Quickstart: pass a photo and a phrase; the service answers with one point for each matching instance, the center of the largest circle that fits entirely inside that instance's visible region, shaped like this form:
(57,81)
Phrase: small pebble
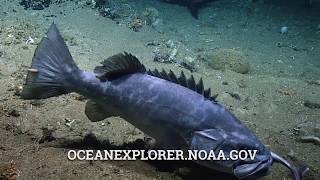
(37,103)
(291,153)
(242,84)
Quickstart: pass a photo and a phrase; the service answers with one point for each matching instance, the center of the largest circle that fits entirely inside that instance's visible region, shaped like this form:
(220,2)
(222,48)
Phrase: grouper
(175,110)
(193,5)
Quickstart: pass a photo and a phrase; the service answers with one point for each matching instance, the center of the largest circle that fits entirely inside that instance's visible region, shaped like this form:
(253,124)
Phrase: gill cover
(218,140)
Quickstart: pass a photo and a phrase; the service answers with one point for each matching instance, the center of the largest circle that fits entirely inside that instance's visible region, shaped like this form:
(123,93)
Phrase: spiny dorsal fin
(173,77)
(183,81)
(118,65)
(191,83)
(200,88)
(207,92)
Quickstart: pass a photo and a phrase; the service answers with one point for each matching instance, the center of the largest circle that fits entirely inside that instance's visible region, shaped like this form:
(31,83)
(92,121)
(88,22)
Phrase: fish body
(193,5)
(176,111)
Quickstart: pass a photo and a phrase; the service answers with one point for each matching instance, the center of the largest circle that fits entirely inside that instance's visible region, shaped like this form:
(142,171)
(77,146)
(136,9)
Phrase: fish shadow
(186,170)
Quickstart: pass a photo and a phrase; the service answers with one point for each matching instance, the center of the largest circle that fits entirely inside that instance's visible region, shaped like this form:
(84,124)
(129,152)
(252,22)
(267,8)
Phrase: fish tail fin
(194,10)
(52,70)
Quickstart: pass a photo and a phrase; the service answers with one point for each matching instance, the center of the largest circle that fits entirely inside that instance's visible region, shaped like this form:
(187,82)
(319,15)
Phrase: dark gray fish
(193,5)
(176,111)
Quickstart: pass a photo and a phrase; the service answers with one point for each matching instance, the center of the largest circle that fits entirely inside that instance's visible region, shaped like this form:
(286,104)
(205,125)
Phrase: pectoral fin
(209,139)
(95,112)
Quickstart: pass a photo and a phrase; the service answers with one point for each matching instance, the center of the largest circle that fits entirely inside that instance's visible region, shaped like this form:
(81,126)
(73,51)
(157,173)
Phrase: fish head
(256,164)
(257,167)
(259,158)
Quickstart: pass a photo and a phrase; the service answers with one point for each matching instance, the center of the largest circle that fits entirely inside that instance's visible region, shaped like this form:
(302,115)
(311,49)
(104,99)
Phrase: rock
(115,10)
(47,135)
(242,84)
(35,4)
(229,59)
(100,3)
(37,103)
(151,16)
(152,43)
(13,113)
(225,83)
(136,24)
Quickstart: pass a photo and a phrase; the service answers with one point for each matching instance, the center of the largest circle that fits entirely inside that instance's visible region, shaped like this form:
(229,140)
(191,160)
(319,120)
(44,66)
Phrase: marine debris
(174,52)
(69,122)
(125,13)
(308,132)
(311,104)
(136,24)
(311,139)
(234,95)
(30,40)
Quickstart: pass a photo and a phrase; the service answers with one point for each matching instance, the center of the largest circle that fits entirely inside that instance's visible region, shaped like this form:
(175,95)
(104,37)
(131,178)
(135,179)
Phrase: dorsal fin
(173,77)
(183,81)
(191,83)
(118,65)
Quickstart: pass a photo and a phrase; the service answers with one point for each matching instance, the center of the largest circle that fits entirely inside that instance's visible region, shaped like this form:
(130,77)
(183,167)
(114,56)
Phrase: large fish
(192,5)
(176,111)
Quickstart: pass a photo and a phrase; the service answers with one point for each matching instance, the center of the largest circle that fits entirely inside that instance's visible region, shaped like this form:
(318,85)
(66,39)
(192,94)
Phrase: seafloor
(278,98)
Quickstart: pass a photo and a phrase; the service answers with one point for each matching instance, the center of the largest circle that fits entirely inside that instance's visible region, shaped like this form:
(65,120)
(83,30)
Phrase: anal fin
(95,112)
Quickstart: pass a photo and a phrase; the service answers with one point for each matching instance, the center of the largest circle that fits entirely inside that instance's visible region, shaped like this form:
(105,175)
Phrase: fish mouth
(255,168)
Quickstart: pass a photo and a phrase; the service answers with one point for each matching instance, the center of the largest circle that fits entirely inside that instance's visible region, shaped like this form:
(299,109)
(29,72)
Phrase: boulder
(231,59)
